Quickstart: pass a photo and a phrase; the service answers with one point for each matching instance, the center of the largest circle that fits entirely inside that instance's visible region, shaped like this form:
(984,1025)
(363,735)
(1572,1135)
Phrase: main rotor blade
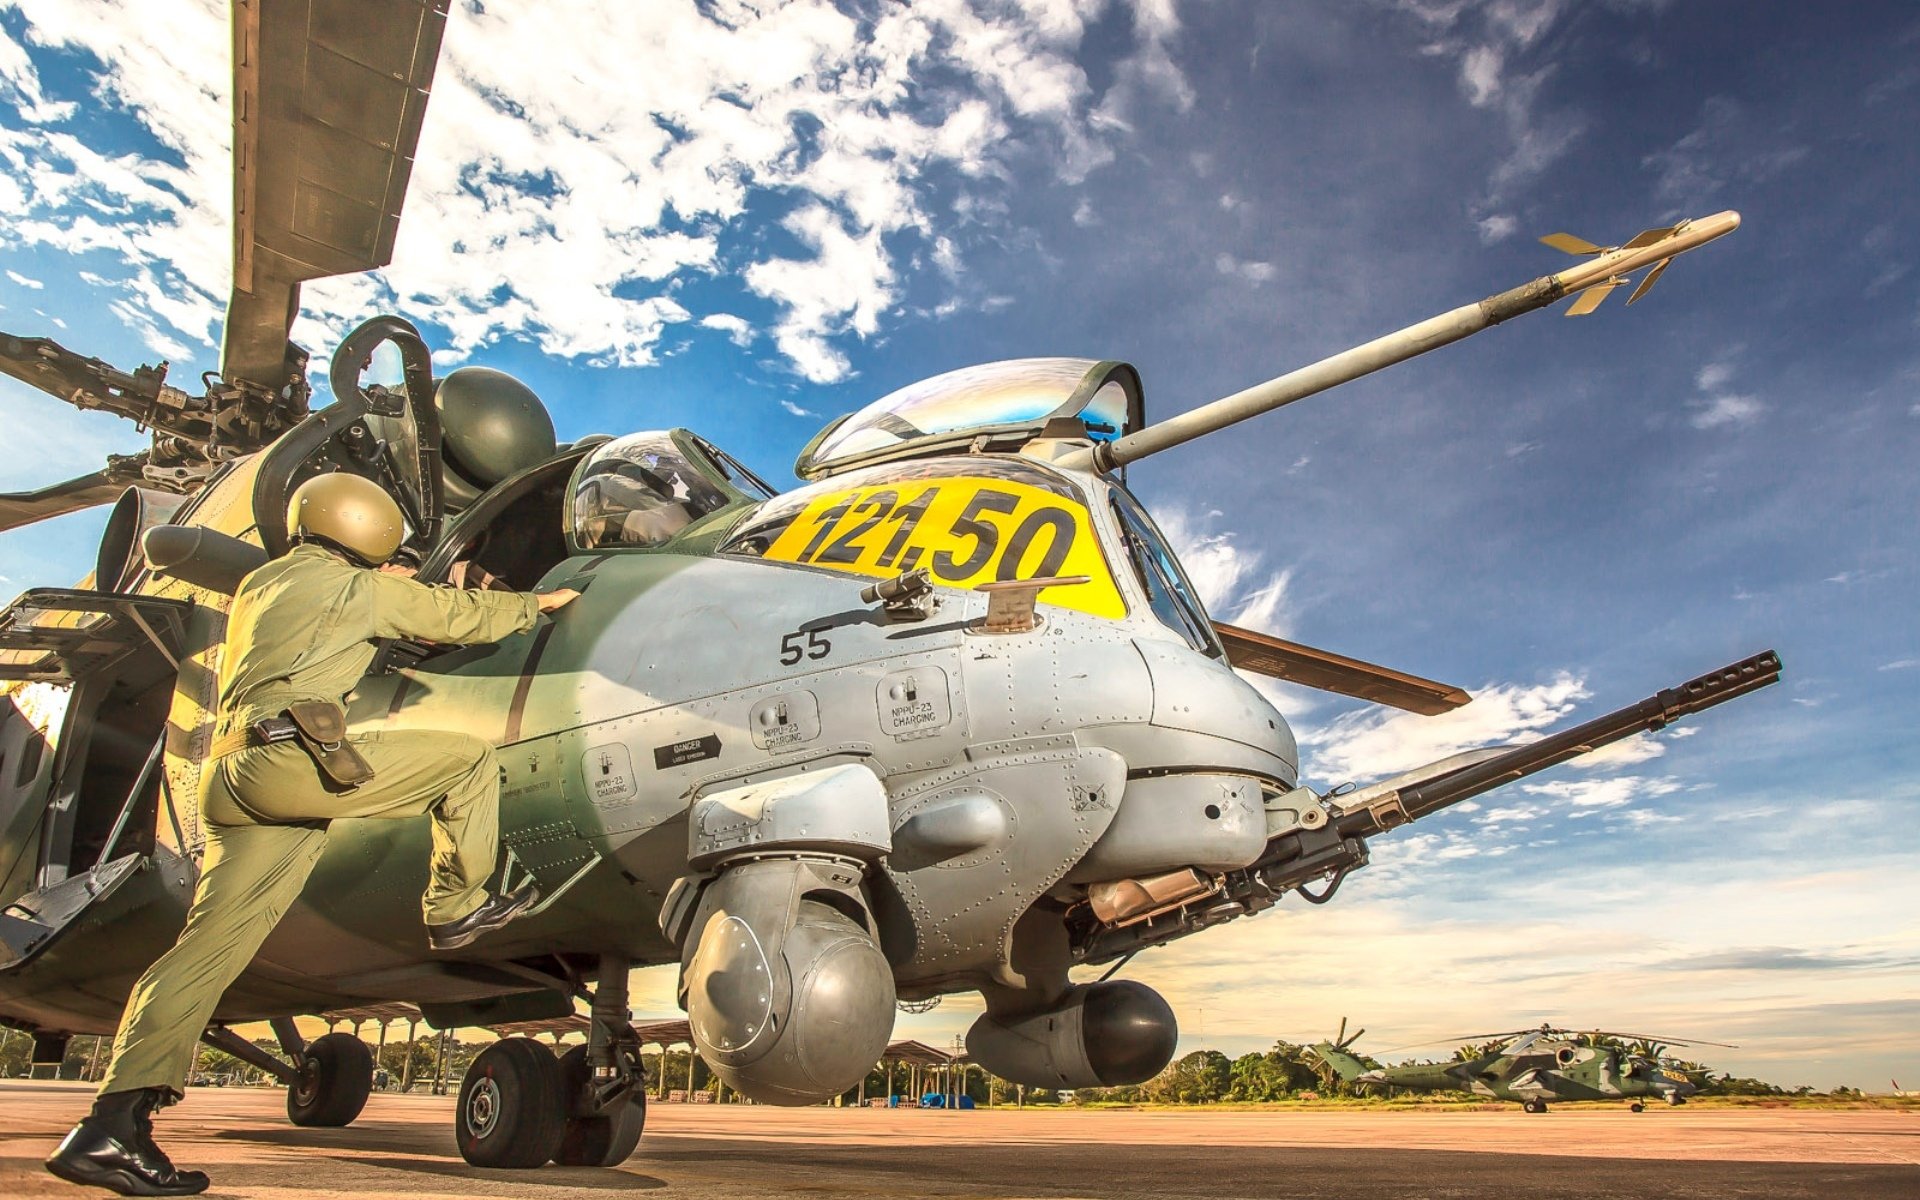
(1465,1039)
(1663,1041)
(85,491)
(1330,672)
(328,98)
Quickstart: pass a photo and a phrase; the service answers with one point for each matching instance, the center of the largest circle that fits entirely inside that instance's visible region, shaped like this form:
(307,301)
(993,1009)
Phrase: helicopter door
(75,827)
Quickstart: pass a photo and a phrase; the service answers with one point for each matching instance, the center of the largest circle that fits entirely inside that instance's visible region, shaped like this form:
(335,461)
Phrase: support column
(406,1069)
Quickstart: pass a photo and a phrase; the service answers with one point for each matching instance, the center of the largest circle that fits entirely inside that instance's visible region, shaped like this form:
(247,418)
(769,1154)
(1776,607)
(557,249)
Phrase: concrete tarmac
(404,1144)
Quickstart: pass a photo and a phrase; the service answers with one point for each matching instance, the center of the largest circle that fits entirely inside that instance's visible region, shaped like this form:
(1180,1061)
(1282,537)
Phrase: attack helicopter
(946,718)
(1533,1066)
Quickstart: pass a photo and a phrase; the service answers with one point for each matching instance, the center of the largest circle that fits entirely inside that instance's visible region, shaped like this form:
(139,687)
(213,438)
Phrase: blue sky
(745,218)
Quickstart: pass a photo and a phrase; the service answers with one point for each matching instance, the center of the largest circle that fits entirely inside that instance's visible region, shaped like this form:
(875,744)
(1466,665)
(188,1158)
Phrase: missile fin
(1647,237)
(1591,298)
(1571,244)
(1646,282)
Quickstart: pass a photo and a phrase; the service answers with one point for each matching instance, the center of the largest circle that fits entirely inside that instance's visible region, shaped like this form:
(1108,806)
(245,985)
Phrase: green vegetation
(1289,1073)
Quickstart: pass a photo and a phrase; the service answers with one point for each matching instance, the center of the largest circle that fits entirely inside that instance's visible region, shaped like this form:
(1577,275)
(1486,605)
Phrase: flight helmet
(348,512)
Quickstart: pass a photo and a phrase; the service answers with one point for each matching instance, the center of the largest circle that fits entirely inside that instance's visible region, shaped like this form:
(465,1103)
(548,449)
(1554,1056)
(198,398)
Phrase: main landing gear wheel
(1534,1106)
(336,1076)
(1636,1106)
(512,1111)
(597,1141)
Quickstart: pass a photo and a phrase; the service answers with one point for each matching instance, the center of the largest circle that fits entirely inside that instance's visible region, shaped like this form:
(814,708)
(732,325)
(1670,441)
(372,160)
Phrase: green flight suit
(301,628)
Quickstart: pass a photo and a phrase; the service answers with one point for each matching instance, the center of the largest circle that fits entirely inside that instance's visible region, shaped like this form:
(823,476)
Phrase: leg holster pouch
(322,729)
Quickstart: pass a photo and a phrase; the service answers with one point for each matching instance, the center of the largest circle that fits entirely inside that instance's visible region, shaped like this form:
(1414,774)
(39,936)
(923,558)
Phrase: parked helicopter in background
(947,718)
(1533,1066)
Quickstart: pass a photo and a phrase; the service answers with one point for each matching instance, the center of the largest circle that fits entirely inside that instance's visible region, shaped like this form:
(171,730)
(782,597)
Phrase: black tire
(334,1084)
(1636,1106)
(512,1112)
(1533,1106)
(597,1141)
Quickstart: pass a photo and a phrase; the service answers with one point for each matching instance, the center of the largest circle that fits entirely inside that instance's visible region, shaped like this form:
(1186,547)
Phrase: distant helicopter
(947,718)
(1533,1066)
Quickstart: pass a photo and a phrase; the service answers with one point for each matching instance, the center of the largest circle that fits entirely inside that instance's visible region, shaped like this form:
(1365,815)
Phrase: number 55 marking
(817,647)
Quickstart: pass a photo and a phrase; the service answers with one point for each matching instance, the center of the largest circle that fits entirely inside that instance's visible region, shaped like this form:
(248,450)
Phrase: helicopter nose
(1198,777)
(1199,695)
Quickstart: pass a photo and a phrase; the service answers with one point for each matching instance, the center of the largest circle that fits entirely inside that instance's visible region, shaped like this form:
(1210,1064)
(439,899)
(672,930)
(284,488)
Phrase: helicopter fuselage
(1091,748)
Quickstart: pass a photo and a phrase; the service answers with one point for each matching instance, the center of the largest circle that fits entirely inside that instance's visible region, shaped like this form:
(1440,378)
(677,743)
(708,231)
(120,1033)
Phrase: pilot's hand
(559,598)
(398,568)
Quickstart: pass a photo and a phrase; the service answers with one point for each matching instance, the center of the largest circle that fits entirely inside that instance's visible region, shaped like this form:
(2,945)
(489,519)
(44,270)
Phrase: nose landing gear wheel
(1636,1106)
(1533,1106)
(511,1111)
(334,1082)
(597,1141)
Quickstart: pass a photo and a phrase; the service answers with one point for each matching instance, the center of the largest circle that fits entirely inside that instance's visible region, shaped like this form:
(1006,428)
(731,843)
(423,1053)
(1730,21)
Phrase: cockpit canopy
(1011,401)
(643,489)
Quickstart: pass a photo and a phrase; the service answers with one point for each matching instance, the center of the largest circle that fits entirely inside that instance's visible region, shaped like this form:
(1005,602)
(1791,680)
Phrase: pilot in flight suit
(299,638)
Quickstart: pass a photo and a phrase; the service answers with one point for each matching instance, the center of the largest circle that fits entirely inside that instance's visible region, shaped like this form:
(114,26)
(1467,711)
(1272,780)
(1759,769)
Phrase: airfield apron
(301,629)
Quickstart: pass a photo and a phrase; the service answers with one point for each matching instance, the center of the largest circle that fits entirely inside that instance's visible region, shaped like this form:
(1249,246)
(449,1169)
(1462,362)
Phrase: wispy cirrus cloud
(1499,49)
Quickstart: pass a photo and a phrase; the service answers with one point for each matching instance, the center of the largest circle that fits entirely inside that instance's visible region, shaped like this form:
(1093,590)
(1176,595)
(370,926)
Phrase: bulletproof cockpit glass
(1007,402)
(639,491)
(1169,593)
(967,519)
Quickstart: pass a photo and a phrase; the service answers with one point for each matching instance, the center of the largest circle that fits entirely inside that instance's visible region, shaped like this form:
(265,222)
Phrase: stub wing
(1308,666)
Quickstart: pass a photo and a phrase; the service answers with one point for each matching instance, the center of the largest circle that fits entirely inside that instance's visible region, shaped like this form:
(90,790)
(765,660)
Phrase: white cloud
(1713,376)
(24,282)
(564,187)
(1641,747)
(1901,664)
(1584,797)
(1480,74)
(1233,582)
(738,331)
(1719,406)
(1255,273)
(1728,409)
(1495,45)
(1373,743)
(796,410)
(1729,146)
(1498,227)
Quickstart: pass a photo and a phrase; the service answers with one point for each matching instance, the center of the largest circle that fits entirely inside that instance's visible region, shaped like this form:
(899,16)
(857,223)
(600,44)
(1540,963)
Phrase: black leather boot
(497,911)
(112,1147)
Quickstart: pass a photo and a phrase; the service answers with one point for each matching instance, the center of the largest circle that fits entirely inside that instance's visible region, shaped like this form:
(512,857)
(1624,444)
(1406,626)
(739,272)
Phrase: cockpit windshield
(639,490)
(1168,593)
(1013,396)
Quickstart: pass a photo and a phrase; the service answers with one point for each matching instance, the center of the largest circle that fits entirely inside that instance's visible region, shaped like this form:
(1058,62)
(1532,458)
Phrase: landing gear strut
(328,1079)
(519,1106)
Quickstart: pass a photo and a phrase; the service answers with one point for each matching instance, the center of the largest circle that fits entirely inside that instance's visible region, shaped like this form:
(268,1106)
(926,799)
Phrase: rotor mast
(1605,270)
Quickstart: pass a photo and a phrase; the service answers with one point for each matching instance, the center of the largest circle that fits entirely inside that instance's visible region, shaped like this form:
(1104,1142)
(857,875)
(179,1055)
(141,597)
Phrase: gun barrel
(1656,711)
(1414,340)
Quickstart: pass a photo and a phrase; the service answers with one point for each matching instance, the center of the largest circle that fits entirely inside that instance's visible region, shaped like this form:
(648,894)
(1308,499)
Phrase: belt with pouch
(321,729)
